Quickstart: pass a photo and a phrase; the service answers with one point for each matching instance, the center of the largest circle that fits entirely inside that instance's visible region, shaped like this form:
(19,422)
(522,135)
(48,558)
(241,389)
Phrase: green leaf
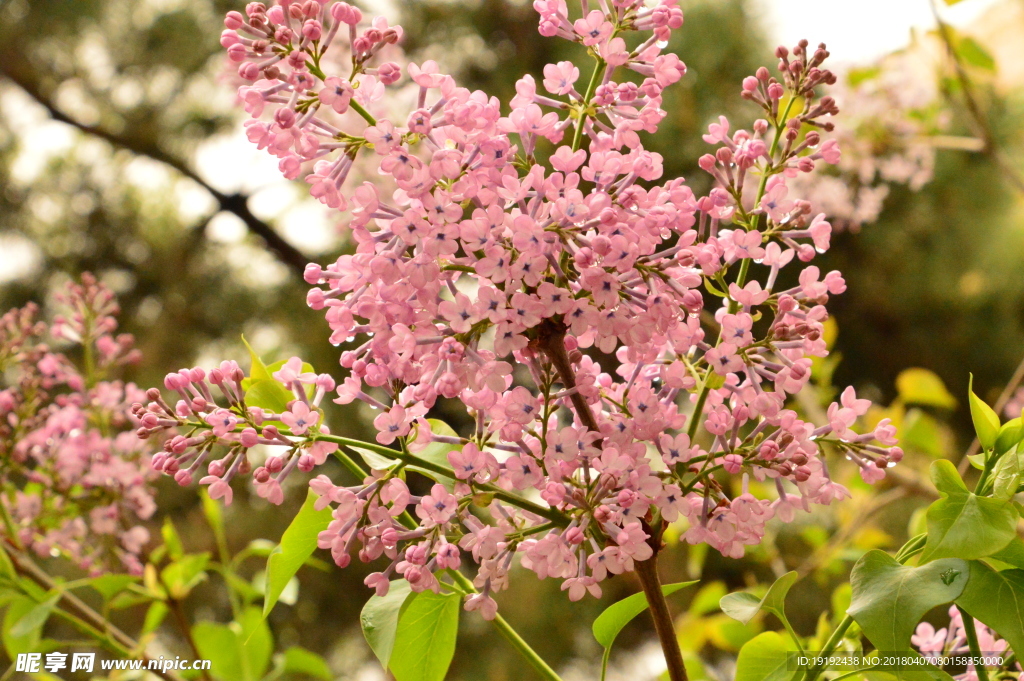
(171,540)
(924,387)
(298,660)
(437,453)
(109,586)
(155,617)
(377,462)
(268,394)
(239,651)
(997,599)
(946,478)
(427,628)
(1008,436)
(214,515)
(765,657)
(742,606)
(297,544)
(219,644)
(181,576)
(964,525)
(889,599)
(986,422)
(1012,553)
(1007,473)
(971,51)
(379,620)
(33,620)
(616,616)
(257,369)
(257,643)
(27,642)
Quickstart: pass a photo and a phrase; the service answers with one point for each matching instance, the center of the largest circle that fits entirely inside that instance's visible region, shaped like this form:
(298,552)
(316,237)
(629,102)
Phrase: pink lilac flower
(486,273)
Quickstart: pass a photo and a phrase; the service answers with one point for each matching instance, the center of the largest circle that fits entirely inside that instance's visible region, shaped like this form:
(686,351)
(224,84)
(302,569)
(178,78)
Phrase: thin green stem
(604,662)
(510,634)
(411,459)
(577,138)
(972,642)
(358,108)
(830,645)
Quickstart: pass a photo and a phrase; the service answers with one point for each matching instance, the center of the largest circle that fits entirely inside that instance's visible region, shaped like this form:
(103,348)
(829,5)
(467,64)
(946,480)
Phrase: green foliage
(379,620)
(889,599)
(986,421)
(427,628)
(766,657)
(616,616)
(297,544)
(924,387)
(743,606)
(239,651)
(962,524)
(997,599)
(297,660)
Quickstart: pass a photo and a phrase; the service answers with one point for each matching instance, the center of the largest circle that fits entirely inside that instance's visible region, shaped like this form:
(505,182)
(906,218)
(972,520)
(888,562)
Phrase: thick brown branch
(232,203)
(664,625)
(551,341)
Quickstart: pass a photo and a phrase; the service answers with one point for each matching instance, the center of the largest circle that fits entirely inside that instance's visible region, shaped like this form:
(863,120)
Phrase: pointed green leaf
(33,620)
(997,599)
(972,52)
(27,642)
(297,544)
(183,575)
(268,394)
(889,599)
(964,525)
(257,369)
(616,616)
(1007,474)
(742,606)
(255,642)
(946,478)
(427,628)
(986,422)
(765,658)
(1008,435)
(109,586)
(172,540)
(379,620)
(155,615)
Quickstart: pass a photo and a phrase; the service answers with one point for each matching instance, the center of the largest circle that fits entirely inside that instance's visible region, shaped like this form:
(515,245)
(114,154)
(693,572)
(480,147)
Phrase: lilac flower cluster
(75,480)
(514,250)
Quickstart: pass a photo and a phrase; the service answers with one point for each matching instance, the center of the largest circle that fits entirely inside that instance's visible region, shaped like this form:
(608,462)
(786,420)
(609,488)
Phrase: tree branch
(233,203)
(981,124)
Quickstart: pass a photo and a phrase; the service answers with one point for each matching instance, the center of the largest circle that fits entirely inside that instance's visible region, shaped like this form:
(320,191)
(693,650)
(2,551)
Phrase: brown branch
(24,565)
(664,625)
(233,203)
(551,341)
(981,123)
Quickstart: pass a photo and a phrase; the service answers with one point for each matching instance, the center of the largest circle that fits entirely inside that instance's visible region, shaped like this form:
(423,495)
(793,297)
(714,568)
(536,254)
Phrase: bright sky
(861,30)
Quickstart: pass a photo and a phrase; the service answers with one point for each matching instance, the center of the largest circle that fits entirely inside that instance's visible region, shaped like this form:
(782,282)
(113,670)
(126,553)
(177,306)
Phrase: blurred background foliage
(120,154)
